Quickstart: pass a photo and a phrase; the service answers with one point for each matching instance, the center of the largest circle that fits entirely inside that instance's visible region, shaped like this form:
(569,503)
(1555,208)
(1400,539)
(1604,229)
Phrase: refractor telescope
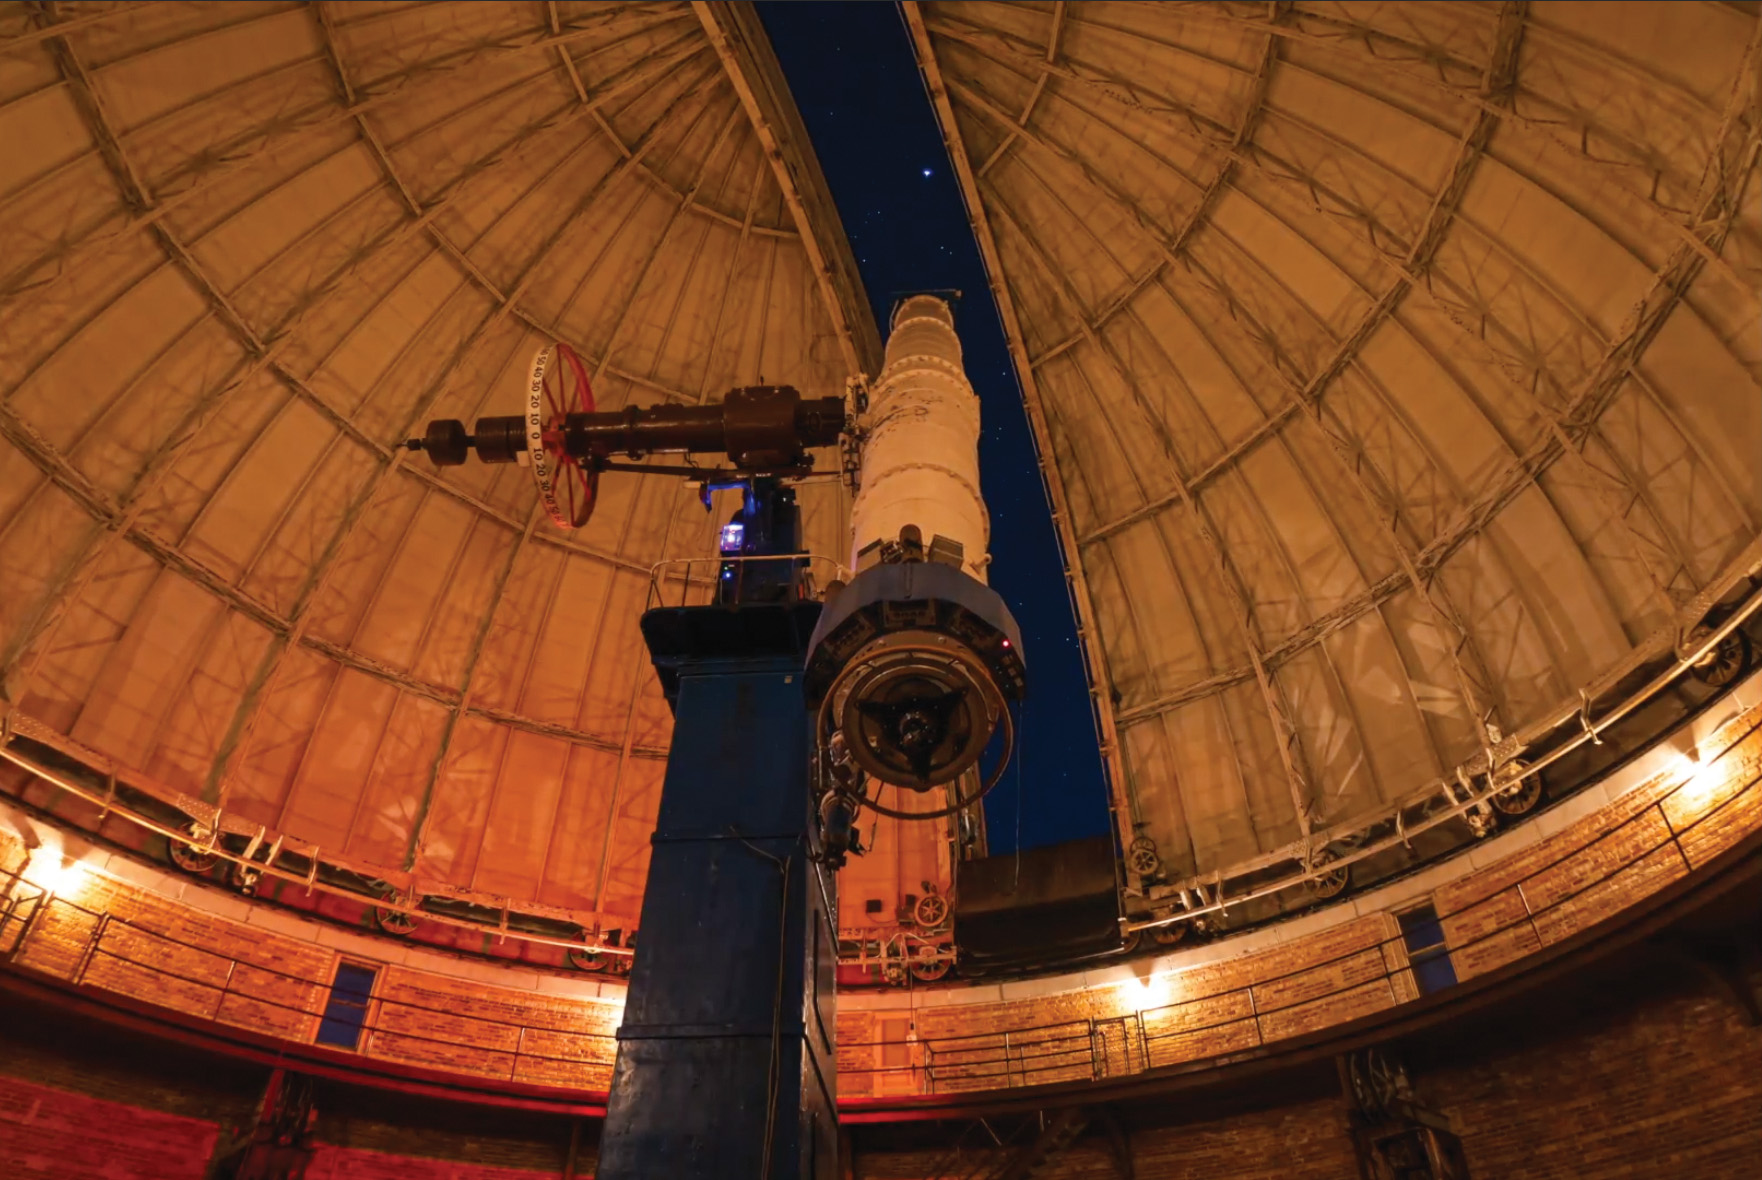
(914,664)
(794,709)
(912,668)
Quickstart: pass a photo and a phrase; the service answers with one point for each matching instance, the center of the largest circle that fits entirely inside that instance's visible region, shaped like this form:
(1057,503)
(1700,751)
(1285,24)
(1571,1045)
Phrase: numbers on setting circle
(567,490)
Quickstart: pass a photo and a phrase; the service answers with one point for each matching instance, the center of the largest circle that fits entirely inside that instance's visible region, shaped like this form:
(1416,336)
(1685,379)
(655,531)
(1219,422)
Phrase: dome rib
(1393,369)
(245,720)
(1234,289)
(318,226)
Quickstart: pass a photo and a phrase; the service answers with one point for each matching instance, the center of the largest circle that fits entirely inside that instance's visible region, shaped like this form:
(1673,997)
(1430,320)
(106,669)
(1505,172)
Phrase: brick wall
(1303,1141)
(1662,1080)
(61,1077)
(367,1130)
(342,1163)
(110,935)
(44,1046)
(1333,976)
(1671,1088)
(52,1134)
(1556,887)
(1636,1072)
(48,1133)
(107,934)
(470,1027)
(174,954)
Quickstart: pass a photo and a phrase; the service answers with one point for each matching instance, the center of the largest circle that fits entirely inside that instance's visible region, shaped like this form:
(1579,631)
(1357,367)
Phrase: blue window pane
(346,1012)
(354,983)
(1421,929)
(1434,974)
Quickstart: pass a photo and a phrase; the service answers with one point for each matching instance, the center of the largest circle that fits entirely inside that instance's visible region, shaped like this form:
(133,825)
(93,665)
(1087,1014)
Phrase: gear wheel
(1377,1081)
(1513,795)
(1330,883)
(930,965)
(1726,663)
(196,854)
(1171,935)
(394,922)
(931,911)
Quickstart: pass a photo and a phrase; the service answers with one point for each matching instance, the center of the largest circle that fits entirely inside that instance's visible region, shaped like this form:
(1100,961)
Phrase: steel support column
(725,1058)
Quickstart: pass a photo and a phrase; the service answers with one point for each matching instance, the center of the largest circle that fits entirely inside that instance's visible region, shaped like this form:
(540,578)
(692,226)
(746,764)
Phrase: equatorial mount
(911,668)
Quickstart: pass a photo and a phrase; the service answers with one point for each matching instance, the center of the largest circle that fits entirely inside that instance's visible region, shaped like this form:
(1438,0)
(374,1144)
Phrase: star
(926,172)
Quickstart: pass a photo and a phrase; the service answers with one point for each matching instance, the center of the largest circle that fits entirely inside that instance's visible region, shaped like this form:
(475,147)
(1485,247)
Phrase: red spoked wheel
(559,387)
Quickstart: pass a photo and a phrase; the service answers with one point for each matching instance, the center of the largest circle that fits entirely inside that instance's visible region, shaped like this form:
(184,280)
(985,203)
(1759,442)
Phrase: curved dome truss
(245,249)
(1394,369)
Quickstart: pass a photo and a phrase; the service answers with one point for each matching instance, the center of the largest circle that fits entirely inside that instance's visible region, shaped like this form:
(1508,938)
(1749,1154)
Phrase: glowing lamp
(53,872)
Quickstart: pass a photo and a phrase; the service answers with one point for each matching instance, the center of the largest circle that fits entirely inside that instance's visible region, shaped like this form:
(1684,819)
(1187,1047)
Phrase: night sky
(851,70)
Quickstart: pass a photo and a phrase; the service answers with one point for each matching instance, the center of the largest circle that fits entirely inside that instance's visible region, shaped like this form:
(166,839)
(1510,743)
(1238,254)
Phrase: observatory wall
(1654,823)
(1660,1076)
(111,927)
(85,1103)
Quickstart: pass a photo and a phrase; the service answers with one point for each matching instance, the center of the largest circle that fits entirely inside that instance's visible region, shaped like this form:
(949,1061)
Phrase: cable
(776,1074)
(774,1081)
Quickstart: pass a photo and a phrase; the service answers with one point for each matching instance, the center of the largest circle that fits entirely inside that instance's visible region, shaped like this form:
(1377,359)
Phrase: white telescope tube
(920,462)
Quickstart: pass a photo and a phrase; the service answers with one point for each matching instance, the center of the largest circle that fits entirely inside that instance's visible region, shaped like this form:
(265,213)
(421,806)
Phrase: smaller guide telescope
(915,665)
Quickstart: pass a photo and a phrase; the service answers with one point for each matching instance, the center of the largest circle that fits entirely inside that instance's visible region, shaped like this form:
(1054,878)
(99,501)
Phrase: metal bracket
(1584,717)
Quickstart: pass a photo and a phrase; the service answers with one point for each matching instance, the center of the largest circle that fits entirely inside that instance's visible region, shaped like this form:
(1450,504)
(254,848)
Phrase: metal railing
(1051,1052)
(1372,975)
(1269,1008)
(90,776)
(255,995)
(1472,784)
(21,901)
(681,581)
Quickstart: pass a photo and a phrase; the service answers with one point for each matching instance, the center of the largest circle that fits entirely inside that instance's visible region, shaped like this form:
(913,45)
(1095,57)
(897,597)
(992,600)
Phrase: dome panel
(192,725)
(250,248)
(1378,447)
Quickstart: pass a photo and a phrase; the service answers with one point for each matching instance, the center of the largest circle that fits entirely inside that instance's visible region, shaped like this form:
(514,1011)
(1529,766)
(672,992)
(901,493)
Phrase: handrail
(660,573)
(373,1026)
(1010,1058)
(1212,899)
(107,921)
(1030,1028)
(13,901)
(1472,798)
(1007,1055)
